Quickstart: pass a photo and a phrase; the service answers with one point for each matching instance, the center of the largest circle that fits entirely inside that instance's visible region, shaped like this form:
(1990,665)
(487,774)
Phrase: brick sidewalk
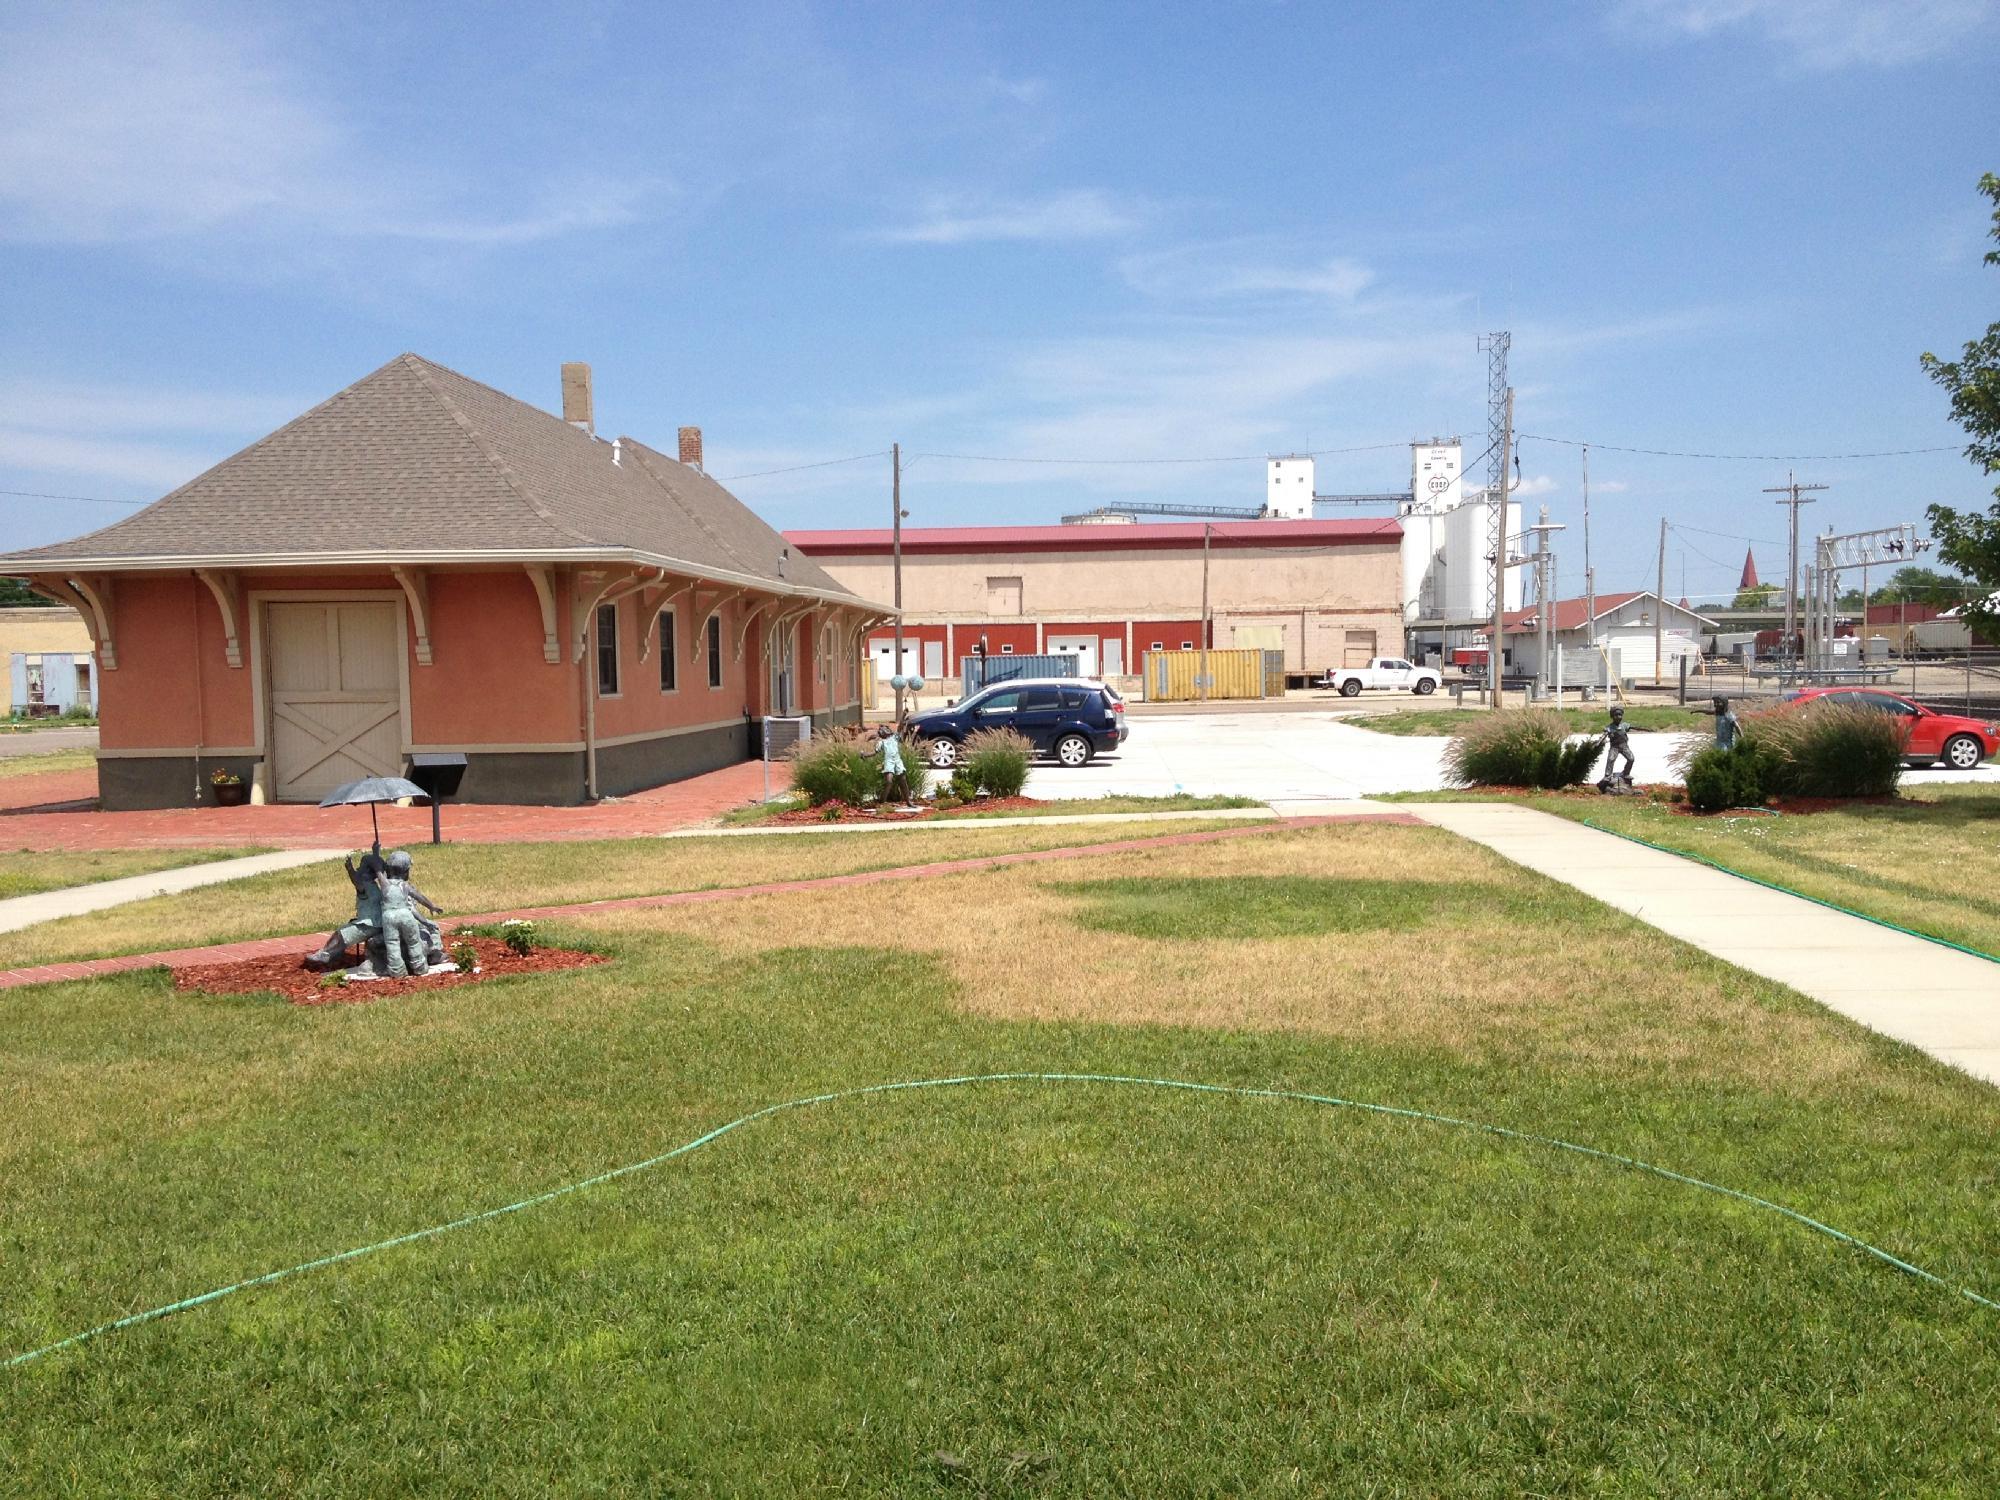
(180,958)
(290,826)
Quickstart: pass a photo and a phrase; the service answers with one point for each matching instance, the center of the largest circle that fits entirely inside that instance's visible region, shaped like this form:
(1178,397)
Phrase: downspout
(588,688)
(194,599)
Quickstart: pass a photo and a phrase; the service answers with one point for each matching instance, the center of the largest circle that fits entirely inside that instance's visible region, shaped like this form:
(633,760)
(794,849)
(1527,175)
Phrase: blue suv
(1070,718)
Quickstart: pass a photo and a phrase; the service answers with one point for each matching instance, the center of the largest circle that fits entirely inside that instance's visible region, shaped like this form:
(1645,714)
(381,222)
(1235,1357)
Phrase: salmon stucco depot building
(424,564)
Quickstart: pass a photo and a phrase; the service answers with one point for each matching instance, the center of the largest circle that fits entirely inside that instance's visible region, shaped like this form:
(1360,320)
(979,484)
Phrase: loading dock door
(1358,649)
(336,693)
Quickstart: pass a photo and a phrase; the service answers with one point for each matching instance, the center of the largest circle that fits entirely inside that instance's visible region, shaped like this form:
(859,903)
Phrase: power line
(1758,541)
(824,463)
(85,499)
(1776,458)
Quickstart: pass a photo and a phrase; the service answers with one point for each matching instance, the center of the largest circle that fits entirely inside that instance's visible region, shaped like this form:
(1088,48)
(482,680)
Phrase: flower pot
(232,794)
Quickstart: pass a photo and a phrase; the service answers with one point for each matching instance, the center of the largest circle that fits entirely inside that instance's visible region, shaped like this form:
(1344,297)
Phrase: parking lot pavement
(42,741)
(1306,757)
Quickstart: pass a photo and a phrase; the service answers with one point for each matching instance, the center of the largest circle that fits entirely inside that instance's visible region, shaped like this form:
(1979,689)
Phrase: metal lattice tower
(1496,346)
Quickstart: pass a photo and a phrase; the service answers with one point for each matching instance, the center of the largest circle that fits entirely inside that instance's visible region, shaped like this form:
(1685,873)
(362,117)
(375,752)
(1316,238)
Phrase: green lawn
(48,760)
(493,877)
(1930,862)
(1066,1290)
(1448,721)
(26,873)
(1068,807)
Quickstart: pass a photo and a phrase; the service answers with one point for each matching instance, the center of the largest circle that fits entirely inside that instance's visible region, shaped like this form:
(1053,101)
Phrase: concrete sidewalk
(74,900)
(1917,991)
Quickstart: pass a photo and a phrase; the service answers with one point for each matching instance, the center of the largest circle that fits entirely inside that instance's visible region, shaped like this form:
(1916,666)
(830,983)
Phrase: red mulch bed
(282,974)
(925,814)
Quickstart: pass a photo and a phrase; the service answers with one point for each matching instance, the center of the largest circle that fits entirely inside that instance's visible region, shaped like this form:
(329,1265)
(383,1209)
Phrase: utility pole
(1499,531)
(1545,619)
(1589,576)
(1201,681)
(1792,490)
(1660,608)
(896,550)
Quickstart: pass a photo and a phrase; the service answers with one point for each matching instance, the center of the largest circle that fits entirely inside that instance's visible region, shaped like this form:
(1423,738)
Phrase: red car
(1959,742)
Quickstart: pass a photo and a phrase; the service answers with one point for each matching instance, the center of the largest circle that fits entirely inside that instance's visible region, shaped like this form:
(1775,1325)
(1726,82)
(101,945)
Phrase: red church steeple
(1749,580)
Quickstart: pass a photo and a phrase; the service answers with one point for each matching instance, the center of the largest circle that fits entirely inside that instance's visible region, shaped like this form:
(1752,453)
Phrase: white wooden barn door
(336,693)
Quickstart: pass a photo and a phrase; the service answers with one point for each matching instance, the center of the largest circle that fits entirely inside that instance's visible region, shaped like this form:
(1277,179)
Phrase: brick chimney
(691,447)
(576,397)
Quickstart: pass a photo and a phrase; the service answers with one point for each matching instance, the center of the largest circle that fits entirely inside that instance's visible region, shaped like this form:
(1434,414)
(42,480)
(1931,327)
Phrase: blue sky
(1029,230)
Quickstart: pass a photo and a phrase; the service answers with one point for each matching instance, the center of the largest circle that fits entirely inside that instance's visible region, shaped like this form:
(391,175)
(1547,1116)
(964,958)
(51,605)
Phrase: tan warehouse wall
(1057,585)
(32,630)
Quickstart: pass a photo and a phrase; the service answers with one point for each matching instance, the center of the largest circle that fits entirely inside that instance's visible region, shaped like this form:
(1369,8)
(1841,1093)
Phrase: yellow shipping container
(1184,676)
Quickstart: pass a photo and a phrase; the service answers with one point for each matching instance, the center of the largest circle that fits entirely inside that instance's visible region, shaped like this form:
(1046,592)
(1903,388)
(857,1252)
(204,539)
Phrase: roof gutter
(23,566)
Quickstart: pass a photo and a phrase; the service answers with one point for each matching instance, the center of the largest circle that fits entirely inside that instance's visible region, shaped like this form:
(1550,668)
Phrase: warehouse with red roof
(1325,593)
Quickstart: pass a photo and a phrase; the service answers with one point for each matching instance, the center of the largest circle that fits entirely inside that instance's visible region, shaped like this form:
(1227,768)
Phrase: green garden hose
(1785,890)
(1502,1131)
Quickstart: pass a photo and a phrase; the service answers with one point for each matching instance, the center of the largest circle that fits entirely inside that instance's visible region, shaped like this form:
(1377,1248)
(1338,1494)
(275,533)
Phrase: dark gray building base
(535,778)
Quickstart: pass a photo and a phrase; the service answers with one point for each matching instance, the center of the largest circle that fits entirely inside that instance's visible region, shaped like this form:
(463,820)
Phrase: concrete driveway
(1303,758)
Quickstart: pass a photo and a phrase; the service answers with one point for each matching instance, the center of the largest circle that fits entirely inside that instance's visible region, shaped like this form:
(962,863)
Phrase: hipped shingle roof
(416,460)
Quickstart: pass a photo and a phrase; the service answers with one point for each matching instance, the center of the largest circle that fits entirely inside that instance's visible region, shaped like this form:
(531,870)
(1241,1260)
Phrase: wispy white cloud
(1238,268)
(150,123)
(1823,35)
(1538,484)
(127,435)
(154,466)
(1075,214)
(1611,486)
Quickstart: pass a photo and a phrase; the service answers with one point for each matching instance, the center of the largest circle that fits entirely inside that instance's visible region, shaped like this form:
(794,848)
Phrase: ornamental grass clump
(1525,747)
(997,760)
(1827,749)
(836,768)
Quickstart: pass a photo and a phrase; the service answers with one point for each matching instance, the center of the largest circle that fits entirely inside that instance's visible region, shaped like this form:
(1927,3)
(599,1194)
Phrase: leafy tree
(14,592)
(1923,586)
(1967,540)
(1758,596)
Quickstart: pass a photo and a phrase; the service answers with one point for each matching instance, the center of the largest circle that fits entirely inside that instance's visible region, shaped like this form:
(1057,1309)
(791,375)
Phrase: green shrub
(519,936)
(1520,747)
(1718,778)
(836,768)
(964,787)
(1826,749)
(997,761)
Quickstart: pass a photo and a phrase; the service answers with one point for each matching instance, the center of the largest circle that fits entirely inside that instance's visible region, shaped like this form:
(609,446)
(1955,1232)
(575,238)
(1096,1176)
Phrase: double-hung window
(607,651)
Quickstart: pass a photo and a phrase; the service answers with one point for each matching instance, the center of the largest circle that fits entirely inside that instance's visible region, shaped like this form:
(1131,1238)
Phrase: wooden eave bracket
(545,593)
(703,614)
(416,585)
(650,611)
(92,599)
(782,623)
(223,587)
(587,591)
(750,617)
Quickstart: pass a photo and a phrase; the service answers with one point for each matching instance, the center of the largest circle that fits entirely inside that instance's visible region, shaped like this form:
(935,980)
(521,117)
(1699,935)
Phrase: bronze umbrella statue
(373,790)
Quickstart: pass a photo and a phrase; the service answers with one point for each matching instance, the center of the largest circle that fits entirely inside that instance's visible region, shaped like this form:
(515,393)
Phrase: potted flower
(229,788)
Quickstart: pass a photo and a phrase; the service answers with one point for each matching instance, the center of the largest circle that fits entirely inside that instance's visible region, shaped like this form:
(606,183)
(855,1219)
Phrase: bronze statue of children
(895,778)
(366,928)
(1618,737)
(402,933)
(1727,728)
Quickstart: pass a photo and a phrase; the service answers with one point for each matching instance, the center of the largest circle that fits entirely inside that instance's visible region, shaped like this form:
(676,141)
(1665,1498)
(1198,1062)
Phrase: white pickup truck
(1384,672)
